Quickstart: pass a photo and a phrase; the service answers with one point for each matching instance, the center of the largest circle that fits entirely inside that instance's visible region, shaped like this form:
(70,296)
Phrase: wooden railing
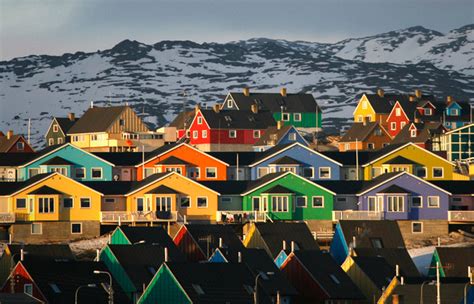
(241,216)
(356,215)
(7,217)
(461,216)
(132,217)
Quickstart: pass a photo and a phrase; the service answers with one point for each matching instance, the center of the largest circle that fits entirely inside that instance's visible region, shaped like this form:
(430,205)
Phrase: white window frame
(312,201)
(256,133)
(197,202)
(390,203)
(189,200)
(287,115)
(101,173)
(80,202)
(230,103)
(16,203)
(51,141)
(421,202)
(204,133)
(402,124)
(305,201)
(76,223)
(330,173)
(364,105)
(207,175)
(83,172)
(292,136)
(431,197)
(28,286)
(398,112)
(393,126)
(195,134)
(232,133)
(199,120)
(312,172)
(454,112)
(433,170)
(427,111)
(72,199)
(413,133)
(297,116)
(42,200)
(20,145)
(284,199)
(421,224)
(40,225)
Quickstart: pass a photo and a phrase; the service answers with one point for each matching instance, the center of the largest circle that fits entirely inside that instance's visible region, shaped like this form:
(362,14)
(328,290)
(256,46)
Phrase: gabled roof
(247,120)
(364,231)
(137,186)
(377,269)
(341,187)
(65,123)
(151,235)
(7,143)
(10,188)
(229,187)
(122,158)
(349,158)
(97,119)
(273,135)
(231,158)
(328,274)
(455,260)
(456,187)
(182,118)
(278,189)
(394,257)
(273,234)
(162,189)
(394,189)
(208,235)
(286,160)
(425,131)
(384,104)
(173,160)
(400,160)
(45,190)
(110,187)
(52,251)
(57,160)
(273,102)
(360,131)
(16,158)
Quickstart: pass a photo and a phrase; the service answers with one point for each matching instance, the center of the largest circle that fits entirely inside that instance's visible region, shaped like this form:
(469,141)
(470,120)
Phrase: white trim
(395,196)
(101,173)
(41,228)
(76,223)
(417,231)
(283,197)
(197,202)
(205,173)
(319,173)
(312,201)
(428,202)
(80,202)
(194,118)
(234,132)
(305,201)
(229,95)
(291,146)
(432,172)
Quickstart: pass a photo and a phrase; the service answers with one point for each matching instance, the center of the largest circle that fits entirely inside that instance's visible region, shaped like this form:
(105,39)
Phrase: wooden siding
(185,242)
(132,123)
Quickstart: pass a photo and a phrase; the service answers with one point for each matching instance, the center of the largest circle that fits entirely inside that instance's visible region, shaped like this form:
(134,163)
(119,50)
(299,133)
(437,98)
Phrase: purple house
(403,196)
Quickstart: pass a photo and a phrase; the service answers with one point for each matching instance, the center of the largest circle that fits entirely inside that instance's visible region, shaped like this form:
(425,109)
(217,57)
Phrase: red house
(226,130)
(14,143)
(397,119)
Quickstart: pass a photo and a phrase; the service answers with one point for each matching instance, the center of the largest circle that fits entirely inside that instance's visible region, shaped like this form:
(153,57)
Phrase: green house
(129,235)
(287,196)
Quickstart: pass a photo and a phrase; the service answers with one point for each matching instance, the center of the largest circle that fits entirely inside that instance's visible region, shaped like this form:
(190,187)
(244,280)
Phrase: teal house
(287,196)
(70,161)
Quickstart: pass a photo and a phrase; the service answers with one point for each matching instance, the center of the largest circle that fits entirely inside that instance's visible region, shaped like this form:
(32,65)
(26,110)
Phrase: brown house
(14,143)
(364,136)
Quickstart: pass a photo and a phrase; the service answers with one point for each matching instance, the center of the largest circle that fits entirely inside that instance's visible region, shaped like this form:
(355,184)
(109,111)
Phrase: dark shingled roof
(173,160)
(393,256)
(360,131)
(162,189)
(151,235)
(7,188)
(275,233)
(57,160)
(377,269)
(385,150)
(400,160)
(292,103)
(264,179)
(160,150)
(16,159)
(45,190)
(364,231)
(230,187)
(238,119)
(456,187)
(65,123)
(424,132)
(271,151)
(349,158)
(245,158)
(394,189)
(110,187)
(6,144)
(52,251)
(286,160)
(323,268)
(342,186)
(18,298)
(122,158)
(181,118)
(97,119)
(278,189)
(455,260)
(208,235)
(272,135)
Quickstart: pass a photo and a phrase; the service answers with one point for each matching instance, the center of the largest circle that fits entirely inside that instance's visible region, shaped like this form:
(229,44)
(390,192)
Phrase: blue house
(457,114)
(70,161)
(279,135)
(297,158)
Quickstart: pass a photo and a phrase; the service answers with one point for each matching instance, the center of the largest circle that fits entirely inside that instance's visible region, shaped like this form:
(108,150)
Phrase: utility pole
(438,285)
(357,159)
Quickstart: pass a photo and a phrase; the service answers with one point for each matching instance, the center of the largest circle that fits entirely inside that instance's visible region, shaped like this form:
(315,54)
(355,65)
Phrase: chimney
(254,108)
(418,93)
(353,242)
(92,104)
(283,245)
(97,255)
(71,116)
(22,255)
(449,99)
(246,92)
(283,92)
(239,257)
(216,108)
(411,98)
(166,254)
(397,270)
(196,109)
(220,243)
(380,92)
(280,124)
(9,134)
(397,299)
(292,246)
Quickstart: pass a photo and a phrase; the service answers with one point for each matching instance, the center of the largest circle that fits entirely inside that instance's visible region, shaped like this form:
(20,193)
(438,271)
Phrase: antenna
(29,130)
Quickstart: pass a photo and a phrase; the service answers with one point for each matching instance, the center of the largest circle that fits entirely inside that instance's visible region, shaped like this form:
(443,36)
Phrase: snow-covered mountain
(152,78)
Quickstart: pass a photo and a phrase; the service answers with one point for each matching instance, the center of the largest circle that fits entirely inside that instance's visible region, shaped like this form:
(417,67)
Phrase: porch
(357,215)
(461,216)
(119,217)
(7,217)
(242,216)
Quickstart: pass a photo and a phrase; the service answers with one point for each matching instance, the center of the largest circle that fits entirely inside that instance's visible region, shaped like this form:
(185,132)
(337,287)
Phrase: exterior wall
(164,288)
(58,137)
(225,147)
(195,158)
(8,174)
(80,159)
(27,148)
(457,143)
(235,203)
(418,155)
(417,188)
(345,202)
(308,119)
(350,146)
(186,244)
(244,173)
(302,154)
(20,278)
(299,187)
(461,202)
(53,232)
(397,121)
(368,288)
(117,271)
(432,229)
(120,203)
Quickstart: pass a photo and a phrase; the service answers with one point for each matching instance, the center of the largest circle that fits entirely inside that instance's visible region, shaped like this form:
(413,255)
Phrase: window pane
(202,202)
(317,201)
(21,203)
(85,202)
(185,202)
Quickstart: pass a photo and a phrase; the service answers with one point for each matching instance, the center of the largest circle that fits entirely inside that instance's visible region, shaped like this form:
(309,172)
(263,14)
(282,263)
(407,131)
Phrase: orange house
(183,159)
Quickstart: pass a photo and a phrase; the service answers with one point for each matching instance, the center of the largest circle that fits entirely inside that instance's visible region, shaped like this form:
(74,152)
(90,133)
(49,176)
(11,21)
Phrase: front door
(126,175)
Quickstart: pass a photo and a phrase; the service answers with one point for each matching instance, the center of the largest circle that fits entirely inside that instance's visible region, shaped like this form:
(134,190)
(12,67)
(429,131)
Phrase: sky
(58,26)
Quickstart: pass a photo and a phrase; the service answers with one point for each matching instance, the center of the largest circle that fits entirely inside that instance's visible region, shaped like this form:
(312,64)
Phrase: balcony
(357,215)
(7,217)
(461,216)
(113,217)
(241,216)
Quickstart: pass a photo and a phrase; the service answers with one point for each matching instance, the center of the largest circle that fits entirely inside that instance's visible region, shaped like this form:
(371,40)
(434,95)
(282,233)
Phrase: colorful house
(364,136)
(299,110)
(9,162)
(225,130)
(50,206)
(319,279)
(11,143)
(70,161)
(458,143)
(279,135)
(295,158)
(374,107)
(58,130)
(287,196)
(462,198)
(457,113)
(130,235)
(181,123)
(426,135)
(183,159)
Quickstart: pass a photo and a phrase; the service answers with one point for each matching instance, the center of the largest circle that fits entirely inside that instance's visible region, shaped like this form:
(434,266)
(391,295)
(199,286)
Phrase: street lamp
(110,291)
(255,295)
(82,286)
(421,289)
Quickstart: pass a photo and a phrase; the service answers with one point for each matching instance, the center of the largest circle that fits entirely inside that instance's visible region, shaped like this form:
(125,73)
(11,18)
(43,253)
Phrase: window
(121,122)
(195,134)
(51,141)
(360,118)
(427,111)
(36,228)
(80,172)
(286,117)
(417,227)
(94,137)
(438,172)
(262,171)
(232,134)
(398,112)
(301,202)
(393,126)
(433,201)
(280,203)
(85,202)
(60,170)
(335,280)
(421,172)
(174,169)
(297,116)
(199,120)
(20,203)
(308,172)
(364,105)
(376,242)
(318,202)
(395,203)
(370,146)
(110,200)
(68,202)
(256,203)
(194,172)
(378,132)
(28,289)
(402,124)
(185,202)
(20,145)
(60,140)
(413,133)
(256,133)
(96,173)
(54,287)
(202,202)
(455,112)
(292,136)
(325,172)
(163,203)
(46,205)
(229,103)
(204,133)
(149,171)
(76,228)
(417,202)
(140,204)
(211,172)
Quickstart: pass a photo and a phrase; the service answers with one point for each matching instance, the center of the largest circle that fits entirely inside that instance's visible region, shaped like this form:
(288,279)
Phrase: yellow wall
(367,112)
(362,281)
(69,188)
(418,155)
(186,187)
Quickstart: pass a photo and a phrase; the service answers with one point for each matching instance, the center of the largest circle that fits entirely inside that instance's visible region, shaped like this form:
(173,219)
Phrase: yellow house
(51,206)
(413,159)
(372,108)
